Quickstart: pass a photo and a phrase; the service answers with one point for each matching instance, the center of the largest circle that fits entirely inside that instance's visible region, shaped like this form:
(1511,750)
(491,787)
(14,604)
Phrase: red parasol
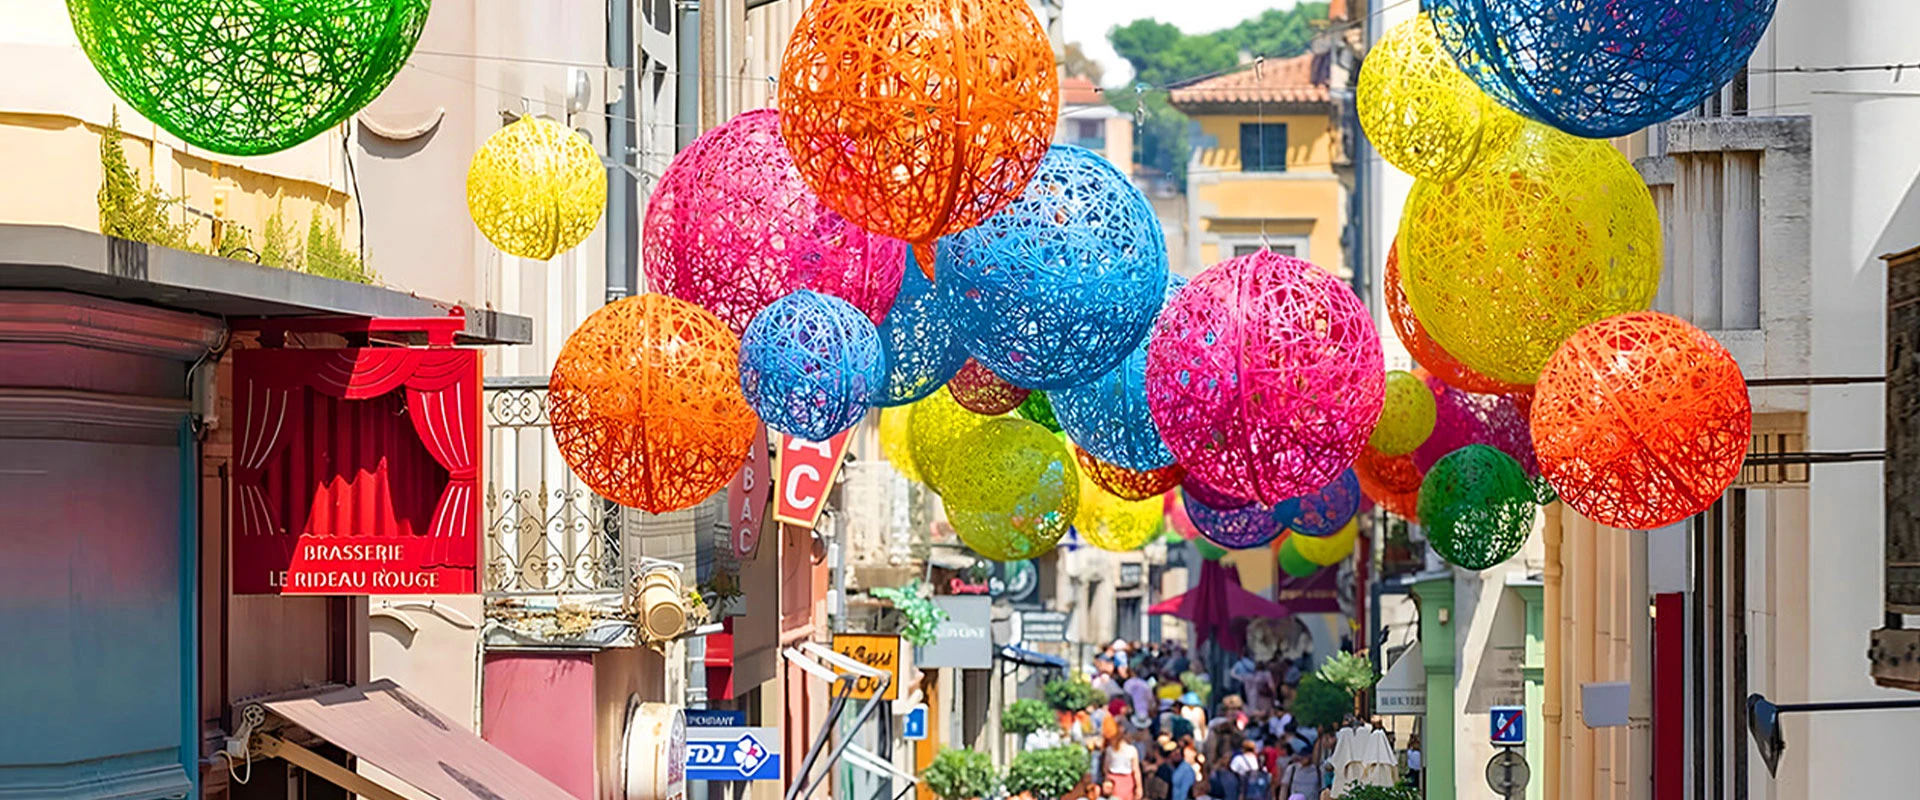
(1216,603)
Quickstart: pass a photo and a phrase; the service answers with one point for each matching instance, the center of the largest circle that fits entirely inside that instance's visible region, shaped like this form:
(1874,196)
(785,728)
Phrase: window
(1090,133)
(1249,249)
(1263,147)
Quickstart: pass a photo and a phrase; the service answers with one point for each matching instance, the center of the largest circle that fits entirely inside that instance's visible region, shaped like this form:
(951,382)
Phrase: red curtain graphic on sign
(356,471)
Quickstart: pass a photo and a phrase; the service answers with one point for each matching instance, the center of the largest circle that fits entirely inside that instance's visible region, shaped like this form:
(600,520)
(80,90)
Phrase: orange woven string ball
(1641,420)
(918,118)
(646,405)
(1391,482)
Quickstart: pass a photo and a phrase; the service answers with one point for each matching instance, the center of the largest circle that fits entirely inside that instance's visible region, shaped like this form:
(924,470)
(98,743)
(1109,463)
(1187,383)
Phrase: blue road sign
(915,727)
(708,718)
(733,754)
(1509,725)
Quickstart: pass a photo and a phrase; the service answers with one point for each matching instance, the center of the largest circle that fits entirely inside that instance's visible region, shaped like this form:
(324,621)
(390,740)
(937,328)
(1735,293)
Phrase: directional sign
(733,754)
(1508,774)
(1509,725)
(915,727)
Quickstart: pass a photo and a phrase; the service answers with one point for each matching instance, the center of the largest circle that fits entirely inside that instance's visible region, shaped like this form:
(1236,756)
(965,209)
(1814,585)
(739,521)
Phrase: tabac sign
(806,470)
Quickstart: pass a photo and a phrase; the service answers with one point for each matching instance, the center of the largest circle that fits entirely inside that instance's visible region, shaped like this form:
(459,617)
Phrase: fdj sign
(733,754)
(881,653)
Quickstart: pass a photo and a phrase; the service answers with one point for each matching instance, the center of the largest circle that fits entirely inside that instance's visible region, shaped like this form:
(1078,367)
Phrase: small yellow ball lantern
(1421,112)
(536,188)
(1113,523)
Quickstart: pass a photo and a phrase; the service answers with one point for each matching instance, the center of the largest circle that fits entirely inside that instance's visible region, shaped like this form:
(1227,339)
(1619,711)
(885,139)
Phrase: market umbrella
(1214,605)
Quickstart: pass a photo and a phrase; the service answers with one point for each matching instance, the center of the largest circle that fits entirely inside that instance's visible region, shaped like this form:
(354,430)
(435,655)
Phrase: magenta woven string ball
(1642,420)
(1265,376)
(1207,495)
(732,227)
(1249,526)
(1465,418)
(980,391)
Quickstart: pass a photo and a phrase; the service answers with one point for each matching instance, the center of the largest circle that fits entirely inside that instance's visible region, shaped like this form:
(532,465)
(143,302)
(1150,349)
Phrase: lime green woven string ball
(893,440)
(935,425)
(1114,523)
(1407,418)
(1326,551)
(245,77)
(1208,550)
(1293,562)
(1011,489)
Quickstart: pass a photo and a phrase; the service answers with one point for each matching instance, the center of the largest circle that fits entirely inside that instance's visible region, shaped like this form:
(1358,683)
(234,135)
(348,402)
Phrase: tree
(1319,704)
(1026,716)
(1047,773)
(961,775)
(1072,694)
(1349,671)
(1075,62)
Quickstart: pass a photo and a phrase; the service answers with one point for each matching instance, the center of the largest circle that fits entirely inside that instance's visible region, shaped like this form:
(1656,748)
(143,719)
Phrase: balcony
(546,533)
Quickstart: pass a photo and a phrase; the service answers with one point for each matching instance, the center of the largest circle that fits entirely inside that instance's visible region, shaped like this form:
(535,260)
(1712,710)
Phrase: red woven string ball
(1424,350)
(1265,376)
(646,406)
(1391,482)
(1641,420)
(980,391)
(1129,484)
(732,227)
(918,118)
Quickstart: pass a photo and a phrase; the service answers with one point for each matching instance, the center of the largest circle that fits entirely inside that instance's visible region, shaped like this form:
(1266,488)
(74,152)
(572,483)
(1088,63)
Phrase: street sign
(733,754)
(711,718)
(1043,626)
(1507,773)
(1509,725)
(914,729)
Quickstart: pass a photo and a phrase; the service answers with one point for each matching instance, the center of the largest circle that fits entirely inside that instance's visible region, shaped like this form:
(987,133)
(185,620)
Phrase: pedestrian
(1122,763)
(1415,761)
(1301,780)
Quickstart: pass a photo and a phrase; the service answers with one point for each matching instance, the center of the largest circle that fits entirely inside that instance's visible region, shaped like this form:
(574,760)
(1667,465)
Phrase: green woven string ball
(245,77)
(1037,408)
(1208,550)
(1408,417)
(1478,507)
(1293,563)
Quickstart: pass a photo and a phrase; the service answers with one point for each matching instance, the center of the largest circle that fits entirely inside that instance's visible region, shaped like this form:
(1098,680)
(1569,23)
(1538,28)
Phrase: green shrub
(1026,716)
(920,616)
(1067,694)
(1047,773)
(1320,704)
(1404,791)
(1349,671)
(961,775)
(129,209)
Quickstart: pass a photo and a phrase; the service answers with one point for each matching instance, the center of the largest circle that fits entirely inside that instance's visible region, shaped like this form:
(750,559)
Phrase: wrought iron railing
(546,532)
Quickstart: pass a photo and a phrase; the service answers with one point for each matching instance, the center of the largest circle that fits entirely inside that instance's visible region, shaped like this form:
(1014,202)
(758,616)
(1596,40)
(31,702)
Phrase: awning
(1403,690)
(1029,658)
(386,727)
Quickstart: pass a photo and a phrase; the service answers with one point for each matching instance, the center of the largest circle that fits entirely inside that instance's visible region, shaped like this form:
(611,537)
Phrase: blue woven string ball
(1477,506)
(1325,512)
(1600,69)
(921,338)
(1062,285)
(809,364)
(1108,416)
(1249,526)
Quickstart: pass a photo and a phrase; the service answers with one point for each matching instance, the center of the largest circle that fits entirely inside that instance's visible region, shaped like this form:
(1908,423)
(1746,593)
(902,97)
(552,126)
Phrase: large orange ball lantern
(646,406)
(1641,420)
(918,118)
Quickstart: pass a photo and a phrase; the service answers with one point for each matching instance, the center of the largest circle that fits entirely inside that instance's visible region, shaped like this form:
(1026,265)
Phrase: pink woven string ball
(1265,376)
(1465,418)
(732,227)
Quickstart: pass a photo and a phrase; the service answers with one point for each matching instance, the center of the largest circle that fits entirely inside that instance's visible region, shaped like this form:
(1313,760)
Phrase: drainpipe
(1550,707)
(622,194)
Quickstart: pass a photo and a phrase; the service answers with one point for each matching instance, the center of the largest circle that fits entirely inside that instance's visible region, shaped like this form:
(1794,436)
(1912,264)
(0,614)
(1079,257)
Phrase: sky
(1087,22)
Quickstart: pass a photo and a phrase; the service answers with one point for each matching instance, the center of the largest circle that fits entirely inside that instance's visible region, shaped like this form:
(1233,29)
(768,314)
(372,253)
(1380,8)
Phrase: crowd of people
(1161,734)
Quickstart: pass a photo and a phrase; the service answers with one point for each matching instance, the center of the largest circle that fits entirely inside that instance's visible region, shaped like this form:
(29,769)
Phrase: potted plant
(1025,717)
(1403,791)
(1049,774)
(920,617)
(1321,704)
(961,775)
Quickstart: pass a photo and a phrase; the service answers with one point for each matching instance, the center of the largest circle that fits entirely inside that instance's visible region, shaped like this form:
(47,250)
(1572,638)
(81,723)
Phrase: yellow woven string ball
(893,441)
(536,188)
(935,426)
(1407,418)
(1327,551)
(1011,489)
(1114,523)
(1507,261)
(1421,112)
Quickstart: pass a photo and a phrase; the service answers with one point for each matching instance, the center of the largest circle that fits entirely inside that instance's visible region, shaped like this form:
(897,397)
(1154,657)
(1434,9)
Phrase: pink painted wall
(539,709)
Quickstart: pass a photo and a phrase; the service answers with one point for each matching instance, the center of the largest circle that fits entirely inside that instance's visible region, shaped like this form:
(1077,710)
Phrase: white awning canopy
(1403,690)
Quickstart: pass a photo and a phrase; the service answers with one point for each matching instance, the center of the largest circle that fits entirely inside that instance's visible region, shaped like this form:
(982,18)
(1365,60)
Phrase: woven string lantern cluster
(935,427)
(1429,355)
(977,389)
(1293,563)
(1013,490)
(536,188)
(1064,283)
(1265,376)
(1116,524)
(1037,408)
(1406,417)
(1641,421)
(242,77)
(918,118)
(1420,112)
(1509,260)
(731,226)
(1477,506)
(1465,418)
(893,441)
(1324,512)
(1192,486)
(1128,483)
(1251,525)
(809,364)
(645,403)
(1327,551)
(1391,482)
(1600,69)
(921,336)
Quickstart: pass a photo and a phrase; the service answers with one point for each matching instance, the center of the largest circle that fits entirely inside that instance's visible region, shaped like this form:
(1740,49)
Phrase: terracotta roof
(1284,80)
(1078,91)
